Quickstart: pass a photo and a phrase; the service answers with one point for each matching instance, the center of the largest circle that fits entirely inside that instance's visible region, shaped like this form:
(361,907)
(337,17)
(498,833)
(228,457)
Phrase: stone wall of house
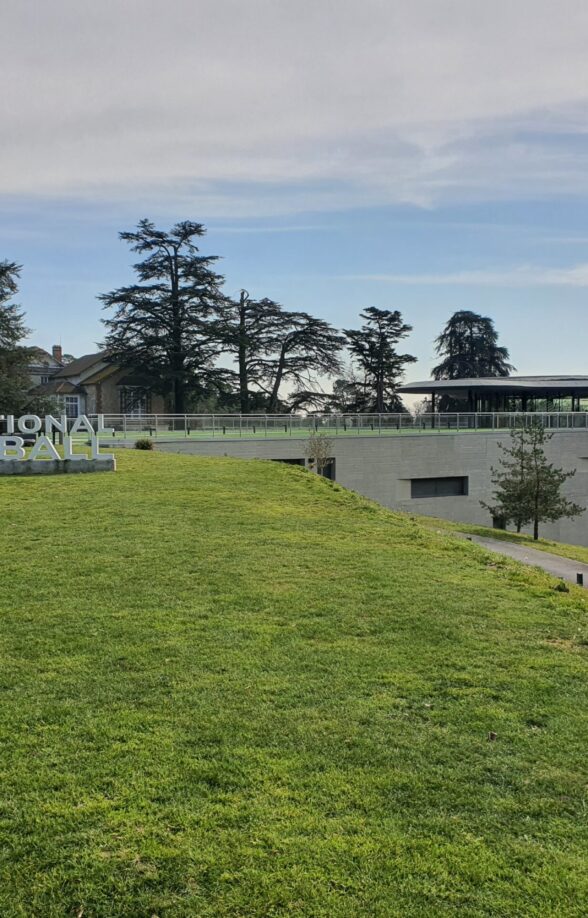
(104,397)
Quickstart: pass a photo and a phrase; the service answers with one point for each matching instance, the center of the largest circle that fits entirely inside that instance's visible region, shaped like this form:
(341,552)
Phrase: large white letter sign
(44,458)
(29,424)
(53,424)
(11,448)
(95,450)
(9,420)
(101,429)
(44,449)
(82,425)
(68,452)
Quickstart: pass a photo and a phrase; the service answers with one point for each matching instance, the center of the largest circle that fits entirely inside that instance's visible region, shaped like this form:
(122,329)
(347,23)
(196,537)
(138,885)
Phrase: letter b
(11,448)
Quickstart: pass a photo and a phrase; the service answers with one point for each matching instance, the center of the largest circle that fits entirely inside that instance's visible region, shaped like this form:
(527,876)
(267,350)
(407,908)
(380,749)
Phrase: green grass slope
(233,689)
(574,552)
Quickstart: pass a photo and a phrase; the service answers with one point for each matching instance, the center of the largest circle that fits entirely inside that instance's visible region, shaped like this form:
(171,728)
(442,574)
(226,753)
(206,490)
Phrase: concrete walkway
(553,564)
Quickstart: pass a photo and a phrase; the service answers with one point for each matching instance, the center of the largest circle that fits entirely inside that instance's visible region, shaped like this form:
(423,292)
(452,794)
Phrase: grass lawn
(232,688)
(575,552)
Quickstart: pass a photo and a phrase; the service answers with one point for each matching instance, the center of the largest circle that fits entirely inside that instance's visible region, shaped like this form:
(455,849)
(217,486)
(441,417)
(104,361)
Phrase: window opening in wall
(71,405)
(290,461)
(450,486)
(328,470)
(135,401)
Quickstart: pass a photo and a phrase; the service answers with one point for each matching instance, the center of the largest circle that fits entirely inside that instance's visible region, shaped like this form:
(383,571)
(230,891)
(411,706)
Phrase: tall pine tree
(469,347)
(164,327)
(380,367)
(15,381)
(308,348)
(250,330)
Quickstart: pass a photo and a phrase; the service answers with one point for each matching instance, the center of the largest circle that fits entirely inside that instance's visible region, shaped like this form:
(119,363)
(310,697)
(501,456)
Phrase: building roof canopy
(505,385)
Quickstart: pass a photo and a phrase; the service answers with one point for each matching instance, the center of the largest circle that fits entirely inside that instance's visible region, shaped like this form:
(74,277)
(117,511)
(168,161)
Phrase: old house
(93,385)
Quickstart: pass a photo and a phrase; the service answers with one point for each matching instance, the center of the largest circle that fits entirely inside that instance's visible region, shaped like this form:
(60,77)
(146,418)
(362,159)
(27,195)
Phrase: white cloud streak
(272,106)
(521,276)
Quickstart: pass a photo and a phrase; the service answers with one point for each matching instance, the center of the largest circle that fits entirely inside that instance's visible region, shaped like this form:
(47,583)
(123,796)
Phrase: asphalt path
(553,564)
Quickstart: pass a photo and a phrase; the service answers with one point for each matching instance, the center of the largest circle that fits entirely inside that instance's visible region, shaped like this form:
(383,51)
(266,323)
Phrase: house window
(45,379)
(455,486)
(71,405)
(135,401)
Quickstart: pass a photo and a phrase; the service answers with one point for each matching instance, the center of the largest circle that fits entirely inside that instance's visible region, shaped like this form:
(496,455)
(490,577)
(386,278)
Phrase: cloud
(521,276)
(271,106)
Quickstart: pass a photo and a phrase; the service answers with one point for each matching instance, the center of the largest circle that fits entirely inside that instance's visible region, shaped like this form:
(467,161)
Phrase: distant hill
(233,688)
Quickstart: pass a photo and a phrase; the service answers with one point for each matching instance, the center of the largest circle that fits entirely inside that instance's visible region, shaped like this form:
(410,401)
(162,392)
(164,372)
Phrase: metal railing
(261,426)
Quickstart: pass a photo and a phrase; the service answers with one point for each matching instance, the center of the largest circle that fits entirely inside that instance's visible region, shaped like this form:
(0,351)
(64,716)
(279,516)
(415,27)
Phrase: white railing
(261,426)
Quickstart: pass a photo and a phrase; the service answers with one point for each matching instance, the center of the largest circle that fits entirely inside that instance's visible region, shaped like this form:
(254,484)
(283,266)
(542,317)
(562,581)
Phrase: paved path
(553,564)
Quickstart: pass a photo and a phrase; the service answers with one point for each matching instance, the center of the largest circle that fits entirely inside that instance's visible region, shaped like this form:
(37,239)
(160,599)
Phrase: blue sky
(342,155)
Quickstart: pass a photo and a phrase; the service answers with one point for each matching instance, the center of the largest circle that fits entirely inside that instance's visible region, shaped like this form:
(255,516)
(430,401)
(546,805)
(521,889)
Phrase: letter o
(33,420)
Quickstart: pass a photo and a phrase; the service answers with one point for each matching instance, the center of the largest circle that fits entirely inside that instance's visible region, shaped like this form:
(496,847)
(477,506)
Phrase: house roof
(540,385)
(58,387)
(41,357)
(81,364)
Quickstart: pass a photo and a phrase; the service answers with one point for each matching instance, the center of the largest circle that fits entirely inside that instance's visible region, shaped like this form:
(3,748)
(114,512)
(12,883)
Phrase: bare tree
(318,450)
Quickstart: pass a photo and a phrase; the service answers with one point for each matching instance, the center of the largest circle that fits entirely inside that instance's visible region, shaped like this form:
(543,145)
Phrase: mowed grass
(231,688)
(574,552)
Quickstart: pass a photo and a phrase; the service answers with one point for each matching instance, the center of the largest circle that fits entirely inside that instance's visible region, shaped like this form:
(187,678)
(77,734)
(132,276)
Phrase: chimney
(57,353)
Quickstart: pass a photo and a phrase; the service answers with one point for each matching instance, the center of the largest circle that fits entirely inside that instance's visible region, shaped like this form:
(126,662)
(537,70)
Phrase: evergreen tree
(250,331)
(344,396)
(163,327)
(305,349)
(275,348)
(469,347)
(528,486)
(380,366)
(15,381)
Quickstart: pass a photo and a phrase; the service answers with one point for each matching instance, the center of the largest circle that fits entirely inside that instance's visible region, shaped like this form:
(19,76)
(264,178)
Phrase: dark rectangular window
(456,486)
(291,461)
(329,469)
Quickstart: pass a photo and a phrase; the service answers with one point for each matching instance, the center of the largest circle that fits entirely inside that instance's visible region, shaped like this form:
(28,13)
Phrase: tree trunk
(177,359)
(380,406)
(179,396)
(536,529)
(243,375)
(273,399)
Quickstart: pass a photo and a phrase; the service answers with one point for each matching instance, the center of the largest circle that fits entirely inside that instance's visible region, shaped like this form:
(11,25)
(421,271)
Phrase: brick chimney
(57,352)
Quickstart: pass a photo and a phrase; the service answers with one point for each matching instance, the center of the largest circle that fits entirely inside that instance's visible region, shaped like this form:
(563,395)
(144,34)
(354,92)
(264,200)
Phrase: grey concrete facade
(382,468)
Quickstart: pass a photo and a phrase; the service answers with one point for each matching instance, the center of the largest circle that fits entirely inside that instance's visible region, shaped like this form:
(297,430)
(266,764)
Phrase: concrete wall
(382,467)
(53,467)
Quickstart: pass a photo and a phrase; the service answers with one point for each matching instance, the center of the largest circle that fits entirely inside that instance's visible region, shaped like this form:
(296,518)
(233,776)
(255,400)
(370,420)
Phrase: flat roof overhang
(540,386)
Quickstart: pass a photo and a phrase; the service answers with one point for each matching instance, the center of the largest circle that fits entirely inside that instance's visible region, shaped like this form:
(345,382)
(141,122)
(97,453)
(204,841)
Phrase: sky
(426,156)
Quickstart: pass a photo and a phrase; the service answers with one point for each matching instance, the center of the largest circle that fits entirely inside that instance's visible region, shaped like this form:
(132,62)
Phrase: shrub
(144,443)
